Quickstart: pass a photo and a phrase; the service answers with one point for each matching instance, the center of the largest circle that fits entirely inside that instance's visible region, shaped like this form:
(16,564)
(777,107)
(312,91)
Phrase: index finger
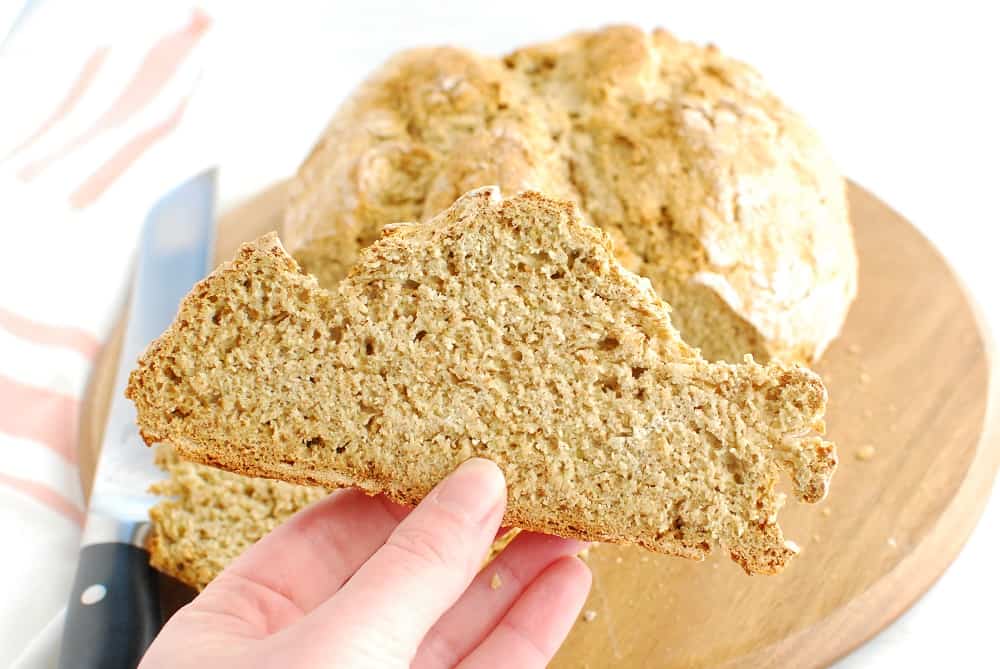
(426,563)
(313,554)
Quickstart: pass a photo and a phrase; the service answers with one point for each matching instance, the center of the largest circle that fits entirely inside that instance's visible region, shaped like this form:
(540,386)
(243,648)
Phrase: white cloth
(92,133)
(903,93)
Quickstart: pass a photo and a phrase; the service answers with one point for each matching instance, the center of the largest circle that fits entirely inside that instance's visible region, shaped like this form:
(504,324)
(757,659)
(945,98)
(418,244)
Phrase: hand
(356,581)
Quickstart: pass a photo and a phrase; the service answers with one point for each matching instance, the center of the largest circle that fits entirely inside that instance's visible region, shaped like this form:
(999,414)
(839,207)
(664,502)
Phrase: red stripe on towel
(44,495)
(50,335)
(102,179)
(159,65)
(76,91)
(41,415)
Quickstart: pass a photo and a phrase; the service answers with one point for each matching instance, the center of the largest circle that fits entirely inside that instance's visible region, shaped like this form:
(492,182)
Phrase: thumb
(422,569)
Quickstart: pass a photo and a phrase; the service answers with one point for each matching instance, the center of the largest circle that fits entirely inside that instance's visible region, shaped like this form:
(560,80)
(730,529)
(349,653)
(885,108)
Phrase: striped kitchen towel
(98,119)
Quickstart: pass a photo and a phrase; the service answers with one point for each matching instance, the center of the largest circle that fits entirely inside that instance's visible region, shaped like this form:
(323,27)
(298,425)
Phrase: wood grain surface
(910,411)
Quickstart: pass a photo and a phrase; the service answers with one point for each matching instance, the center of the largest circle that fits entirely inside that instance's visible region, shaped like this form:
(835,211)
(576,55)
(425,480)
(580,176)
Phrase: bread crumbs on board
(865,453)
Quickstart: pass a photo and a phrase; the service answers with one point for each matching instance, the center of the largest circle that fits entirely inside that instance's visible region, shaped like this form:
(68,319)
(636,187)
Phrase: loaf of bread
(209,516)
(504,329)
(707,183)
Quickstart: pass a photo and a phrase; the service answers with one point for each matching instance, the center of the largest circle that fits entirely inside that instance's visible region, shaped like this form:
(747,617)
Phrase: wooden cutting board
(909,381)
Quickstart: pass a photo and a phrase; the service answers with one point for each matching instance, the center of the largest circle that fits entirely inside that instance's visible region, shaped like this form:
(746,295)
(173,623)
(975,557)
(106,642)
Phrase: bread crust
(711,187)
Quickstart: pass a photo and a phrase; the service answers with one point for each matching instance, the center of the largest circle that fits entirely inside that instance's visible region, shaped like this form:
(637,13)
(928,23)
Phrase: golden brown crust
(504,329)
(712,188)
(209,516)
(376,485)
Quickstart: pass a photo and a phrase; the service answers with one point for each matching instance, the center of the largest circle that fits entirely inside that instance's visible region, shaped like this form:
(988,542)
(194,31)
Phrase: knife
(114,609)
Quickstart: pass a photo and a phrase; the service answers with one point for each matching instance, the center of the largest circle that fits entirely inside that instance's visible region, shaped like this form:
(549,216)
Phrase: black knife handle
(114,610)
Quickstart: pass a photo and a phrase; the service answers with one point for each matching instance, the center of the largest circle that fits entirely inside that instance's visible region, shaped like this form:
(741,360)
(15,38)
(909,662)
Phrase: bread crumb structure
(209,516)
(504,329)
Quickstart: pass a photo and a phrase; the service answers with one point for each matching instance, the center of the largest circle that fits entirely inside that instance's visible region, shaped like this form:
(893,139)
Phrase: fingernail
(473,490)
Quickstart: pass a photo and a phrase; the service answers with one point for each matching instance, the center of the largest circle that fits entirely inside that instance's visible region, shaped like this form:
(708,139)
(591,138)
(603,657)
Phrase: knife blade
(114,612)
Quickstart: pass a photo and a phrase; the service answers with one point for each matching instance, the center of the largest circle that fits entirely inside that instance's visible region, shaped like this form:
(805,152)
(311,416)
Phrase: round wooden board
(909,377)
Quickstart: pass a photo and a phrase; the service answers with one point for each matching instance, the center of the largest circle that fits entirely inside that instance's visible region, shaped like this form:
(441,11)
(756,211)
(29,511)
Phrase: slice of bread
(503,329)
(708,183)
(210,516)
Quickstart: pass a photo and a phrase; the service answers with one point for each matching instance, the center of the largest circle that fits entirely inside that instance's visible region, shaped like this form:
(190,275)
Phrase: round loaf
(706,182)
